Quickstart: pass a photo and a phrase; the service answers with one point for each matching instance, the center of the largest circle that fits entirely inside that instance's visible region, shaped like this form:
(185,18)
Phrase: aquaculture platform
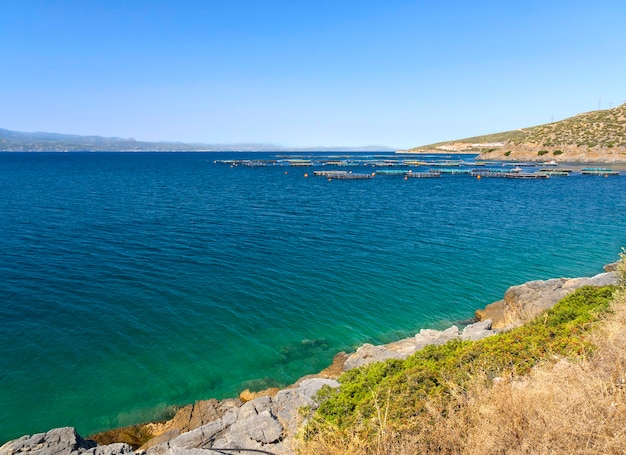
(423,175)
(598,171)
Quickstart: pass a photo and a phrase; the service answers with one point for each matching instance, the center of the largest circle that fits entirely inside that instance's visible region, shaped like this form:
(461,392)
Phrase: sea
(133,283)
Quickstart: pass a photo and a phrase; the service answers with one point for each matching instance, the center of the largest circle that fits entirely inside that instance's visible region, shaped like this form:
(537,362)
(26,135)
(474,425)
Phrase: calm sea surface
(131,282)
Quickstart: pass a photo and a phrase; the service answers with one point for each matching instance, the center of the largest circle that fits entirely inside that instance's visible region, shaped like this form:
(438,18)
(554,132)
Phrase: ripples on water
(131,282)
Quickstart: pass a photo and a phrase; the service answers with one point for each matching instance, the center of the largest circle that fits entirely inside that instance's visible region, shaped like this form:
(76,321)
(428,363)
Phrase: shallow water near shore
(132,282)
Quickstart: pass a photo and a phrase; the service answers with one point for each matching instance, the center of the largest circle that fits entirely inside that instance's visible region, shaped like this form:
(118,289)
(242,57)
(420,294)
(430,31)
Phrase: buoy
(478,177)
(373,174)
(306,175)
(286,172)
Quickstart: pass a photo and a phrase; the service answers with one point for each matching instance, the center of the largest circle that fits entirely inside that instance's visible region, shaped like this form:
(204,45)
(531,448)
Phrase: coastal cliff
(270,422)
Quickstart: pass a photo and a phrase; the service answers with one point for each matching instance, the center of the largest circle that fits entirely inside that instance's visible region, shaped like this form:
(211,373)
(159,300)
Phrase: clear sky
(306,72)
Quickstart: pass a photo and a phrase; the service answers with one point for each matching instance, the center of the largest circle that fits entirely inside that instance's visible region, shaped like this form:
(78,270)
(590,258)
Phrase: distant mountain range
(597,136)
(16,141)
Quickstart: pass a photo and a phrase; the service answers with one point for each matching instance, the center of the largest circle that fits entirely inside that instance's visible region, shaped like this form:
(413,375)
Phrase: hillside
(17,141)
(598,136)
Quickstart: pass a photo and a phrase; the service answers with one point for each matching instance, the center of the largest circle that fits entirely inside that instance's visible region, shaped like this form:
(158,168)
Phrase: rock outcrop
(565,153)
(264,423)
(402,349)
(527,300)
(189,418)
(60,441)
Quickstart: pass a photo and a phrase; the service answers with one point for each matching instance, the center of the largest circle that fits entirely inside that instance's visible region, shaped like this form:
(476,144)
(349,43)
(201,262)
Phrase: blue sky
(306,72)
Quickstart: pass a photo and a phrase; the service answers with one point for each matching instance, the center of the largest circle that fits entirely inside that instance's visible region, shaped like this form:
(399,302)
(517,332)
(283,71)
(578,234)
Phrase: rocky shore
(267,422)
(510,152)
(564,153)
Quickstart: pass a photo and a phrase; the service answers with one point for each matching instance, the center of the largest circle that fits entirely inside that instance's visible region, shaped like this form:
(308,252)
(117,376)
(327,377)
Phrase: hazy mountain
(16,141)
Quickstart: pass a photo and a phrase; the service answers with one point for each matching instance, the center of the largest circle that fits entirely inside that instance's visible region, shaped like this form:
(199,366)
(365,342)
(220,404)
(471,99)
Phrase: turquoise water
(134,282)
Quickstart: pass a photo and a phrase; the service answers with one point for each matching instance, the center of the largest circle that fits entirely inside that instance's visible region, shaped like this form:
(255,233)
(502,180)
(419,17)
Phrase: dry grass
(562,407)
(598,128)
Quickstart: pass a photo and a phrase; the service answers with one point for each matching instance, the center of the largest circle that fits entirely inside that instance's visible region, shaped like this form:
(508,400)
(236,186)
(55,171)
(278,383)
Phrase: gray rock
(522,303)
(402,349)
(255,407)
(230,417)
(368,353)
(160,439)
(599,280)
(197,438)
(428,337)
(59,441)
(256,432)
(194,416)
(111,449)
(263,428)
(478,330)
(288,402)
(182,451)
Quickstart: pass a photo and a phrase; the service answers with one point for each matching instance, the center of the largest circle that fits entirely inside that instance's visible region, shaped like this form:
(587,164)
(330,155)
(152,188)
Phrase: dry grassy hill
(598,136)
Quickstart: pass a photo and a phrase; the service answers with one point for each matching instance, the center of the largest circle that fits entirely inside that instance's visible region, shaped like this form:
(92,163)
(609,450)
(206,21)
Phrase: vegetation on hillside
(604,128)
(598,128)
(554,385)
(506,136)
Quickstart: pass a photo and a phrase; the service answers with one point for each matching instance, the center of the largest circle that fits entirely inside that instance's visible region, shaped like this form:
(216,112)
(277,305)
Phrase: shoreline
(519,304)
(218,423)
(535,154)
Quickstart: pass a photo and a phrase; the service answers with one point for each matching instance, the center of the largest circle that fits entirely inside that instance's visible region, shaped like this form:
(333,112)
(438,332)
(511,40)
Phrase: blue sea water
(132,282)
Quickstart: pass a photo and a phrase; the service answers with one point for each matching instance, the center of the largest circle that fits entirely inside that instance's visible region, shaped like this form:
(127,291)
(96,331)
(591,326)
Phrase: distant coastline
(17,141)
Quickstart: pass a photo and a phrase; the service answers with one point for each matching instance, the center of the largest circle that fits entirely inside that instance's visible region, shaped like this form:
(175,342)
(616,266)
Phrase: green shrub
(542,152)
(507,153)
(429,373)
(557,152)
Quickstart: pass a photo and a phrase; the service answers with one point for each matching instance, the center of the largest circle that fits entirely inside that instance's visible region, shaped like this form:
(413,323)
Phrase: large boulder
(60,441)
(522,303)
(264,423)
(189,418)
